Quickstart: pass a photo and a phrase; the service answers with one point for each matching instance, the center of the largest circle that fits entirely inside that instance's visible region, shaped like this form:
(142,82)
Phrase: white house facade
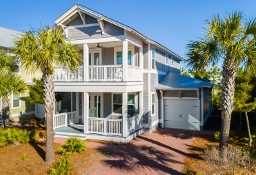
(122,88)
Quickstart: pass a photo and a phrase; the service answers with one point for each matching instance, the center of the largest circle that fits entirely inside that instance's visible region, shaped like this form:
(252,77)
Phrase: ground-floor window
(16,101)
(131,105)
(117,103)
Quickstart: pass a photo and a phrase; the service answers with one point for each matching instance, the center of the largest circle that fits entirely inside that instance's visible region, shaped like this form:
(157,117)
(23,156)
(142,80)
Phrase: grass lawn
(29,159)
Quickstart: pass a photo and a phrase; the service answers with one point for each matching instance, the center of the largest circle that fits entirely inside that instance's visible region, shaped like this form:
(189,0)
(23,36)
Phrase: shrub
(238,162)
(62,167)
(72,145)
(191,172)
(13,135)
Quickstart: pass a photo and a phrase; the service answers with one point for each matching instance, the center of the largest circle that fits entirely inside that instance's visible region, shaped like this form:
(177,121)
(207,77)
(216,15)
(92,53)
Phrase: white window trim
(152,104)
(19,102)
(112,103)
(120,49)
(151,56)
(166,59)
(92,51)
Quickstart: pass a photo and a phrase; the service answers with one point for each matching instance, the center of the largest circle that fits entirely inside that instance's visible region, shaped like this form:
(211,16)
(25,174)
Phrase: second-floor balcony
(111,62)
(99,73)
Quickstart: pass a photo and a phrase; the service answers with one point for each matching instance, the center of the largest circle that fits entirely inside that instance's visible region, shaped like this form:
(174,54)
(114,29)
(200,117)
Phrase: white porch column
(141,103)
(125,114)
(162,108)
(77,106)
(86,110)
(125,59)
(86,62)
(141,59)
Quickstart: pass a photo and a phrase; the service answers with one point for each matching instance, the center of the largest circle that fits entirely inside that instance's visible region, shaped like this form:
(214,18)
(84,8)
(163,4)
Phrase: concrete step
(67,135)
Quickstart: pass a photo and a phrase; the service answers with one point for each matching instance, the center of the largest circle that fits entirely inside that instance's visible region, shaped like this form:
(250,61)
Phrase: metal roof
(177,81)
(126,27)
(8,37)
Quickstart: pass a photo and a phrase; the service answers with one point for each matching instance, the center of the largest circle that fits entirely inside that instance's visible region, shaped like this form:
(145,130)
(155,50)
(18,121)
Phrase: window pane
(119,58)
(16,103)
(129,58)
(153,63)
(117,108)
(153,98)
(131,110)
(153,109)
(96,59)
(166,60)
(90,59)
(153,53)
(117,98)
(131,99)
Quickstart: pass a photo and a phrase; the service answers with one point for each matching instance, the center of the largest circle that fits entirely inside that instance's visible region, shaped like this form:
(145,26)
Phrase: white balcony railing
(105,126)
(106,73)
(99,73)
(64,74)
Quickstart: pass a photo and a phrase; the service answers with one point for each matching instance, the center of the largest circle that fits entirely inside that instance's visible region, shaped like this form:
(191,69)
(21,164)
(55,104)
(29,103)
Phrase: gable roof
(80,8)
(177,81)
(8,37)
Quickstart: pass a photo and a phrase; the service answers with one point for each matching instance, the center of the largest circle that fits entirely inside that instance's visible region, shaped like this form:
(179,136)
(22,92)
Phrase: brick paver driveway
(160,152)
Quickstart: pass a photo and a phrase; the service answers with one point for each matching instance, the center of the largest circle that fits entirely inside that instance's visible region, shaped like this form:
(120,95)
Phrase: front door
(96,105)
(94,57)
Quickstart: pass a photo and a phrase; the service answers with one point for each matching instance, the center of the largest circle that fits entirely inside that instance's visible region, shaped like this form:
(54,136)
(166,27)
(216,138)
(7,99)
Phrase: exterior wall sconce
(180,94)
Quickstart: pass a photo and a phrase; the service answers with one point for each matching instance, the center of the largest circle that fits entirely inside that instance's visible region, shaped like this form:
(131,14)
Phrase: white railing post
(66,119)
(105,126)
(125,114)
(125,59)
(86,62)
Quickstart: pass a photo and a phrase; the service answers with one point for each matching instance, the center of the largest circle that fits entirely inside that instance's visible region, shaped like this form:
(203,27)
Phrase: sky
(172,23)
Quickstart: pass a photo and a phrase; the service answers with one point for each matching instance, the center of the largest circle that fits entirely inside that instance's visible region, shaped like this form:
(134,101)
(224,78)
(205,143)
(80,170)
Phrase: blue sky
(171,22)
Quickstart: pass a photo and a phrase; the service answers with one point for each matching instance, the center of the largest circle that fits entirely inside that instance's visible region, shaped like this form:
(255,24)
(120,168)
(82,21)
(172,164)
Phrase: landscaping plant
(71,146)
(13,135)
(62,167)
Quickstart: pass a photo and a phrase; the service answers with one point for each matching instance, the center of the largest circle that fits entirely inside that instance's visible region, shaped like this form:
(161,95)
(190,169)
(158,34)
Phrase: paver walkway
(160,152)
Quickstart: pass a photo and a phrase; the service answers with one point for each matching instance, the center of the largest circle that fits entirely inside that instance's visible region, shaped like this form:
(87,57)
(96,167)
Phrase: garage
(182,114)
(184,102)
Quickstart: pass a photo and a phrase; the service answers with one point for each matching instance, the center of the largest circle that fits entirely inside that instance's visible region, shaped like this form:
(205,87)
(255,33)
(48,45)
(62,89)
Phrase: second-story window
(166,60)
(119,58)
(17,70)
(16,101)
(153,56)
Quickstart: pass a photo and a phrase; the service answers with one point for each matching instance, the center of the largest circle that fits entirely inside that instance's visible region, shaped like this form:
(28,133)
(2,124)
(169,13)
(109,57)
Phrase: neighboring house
(126,85)
(18,104)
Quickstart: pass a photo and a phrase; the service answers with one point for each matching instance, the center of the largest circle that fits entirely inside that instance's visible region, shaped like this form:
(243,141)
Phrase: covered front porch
(99,114)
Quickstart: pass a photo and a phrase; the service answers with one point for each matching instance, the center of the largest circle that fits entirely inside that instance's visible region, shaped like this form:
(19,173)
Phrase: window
(166,60)
(90,59)
(153,103)
(117,103)
(16,100)
(96,59)
(119,58)
(130,58)
(131,105)
(153,56)
(17,69)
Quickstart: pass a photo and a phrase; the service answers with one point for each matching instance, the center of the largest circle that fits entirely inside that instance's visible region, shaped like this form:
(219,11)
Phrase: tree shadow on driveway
(134,158)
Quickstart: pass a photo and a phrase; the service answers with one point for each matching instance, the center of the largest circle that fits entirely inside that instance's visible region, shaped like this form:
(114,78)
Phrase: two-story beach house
(126,85)
(19,106)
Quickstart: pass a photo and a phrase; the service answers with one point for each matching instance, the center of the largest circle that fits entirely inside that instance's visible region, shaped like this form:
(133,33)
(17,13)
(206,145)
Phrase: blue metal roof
(177,81)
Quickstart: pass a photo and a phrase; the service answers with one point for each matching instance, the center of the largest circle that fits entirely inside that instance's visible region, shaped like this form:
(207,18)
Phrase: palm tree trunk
(49,108)
(5,110)
(228,89)
(248,129)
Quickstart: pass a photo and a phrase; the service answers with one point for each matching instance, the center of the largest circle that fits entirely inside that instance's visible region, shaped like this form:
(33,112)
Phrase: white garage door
(182,114)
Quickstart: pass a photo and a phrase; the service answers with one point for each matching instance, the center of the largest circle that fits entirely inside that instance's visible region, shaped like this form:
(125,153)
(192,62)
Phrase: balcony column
(86,111)
(125,114)
(86,62)
(125,59)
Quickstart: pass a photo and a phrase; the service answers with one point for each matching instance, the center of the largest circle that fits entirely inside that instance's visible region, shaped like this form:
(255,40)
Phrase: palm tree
(230,40)
(10,83)
(42,50)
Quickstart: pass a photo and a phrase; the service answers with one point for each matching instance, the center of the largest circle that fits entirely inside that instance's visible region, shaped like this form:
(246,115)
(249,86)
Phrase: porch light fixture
(180,94)
(98,45)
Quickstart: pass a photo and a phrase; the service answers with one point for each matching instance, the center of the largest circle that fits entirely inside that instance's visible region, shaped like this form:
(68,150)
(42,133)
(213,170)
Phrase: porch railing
(106,73)
(134,123)
(105,126)
(64,119)
(64,74)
